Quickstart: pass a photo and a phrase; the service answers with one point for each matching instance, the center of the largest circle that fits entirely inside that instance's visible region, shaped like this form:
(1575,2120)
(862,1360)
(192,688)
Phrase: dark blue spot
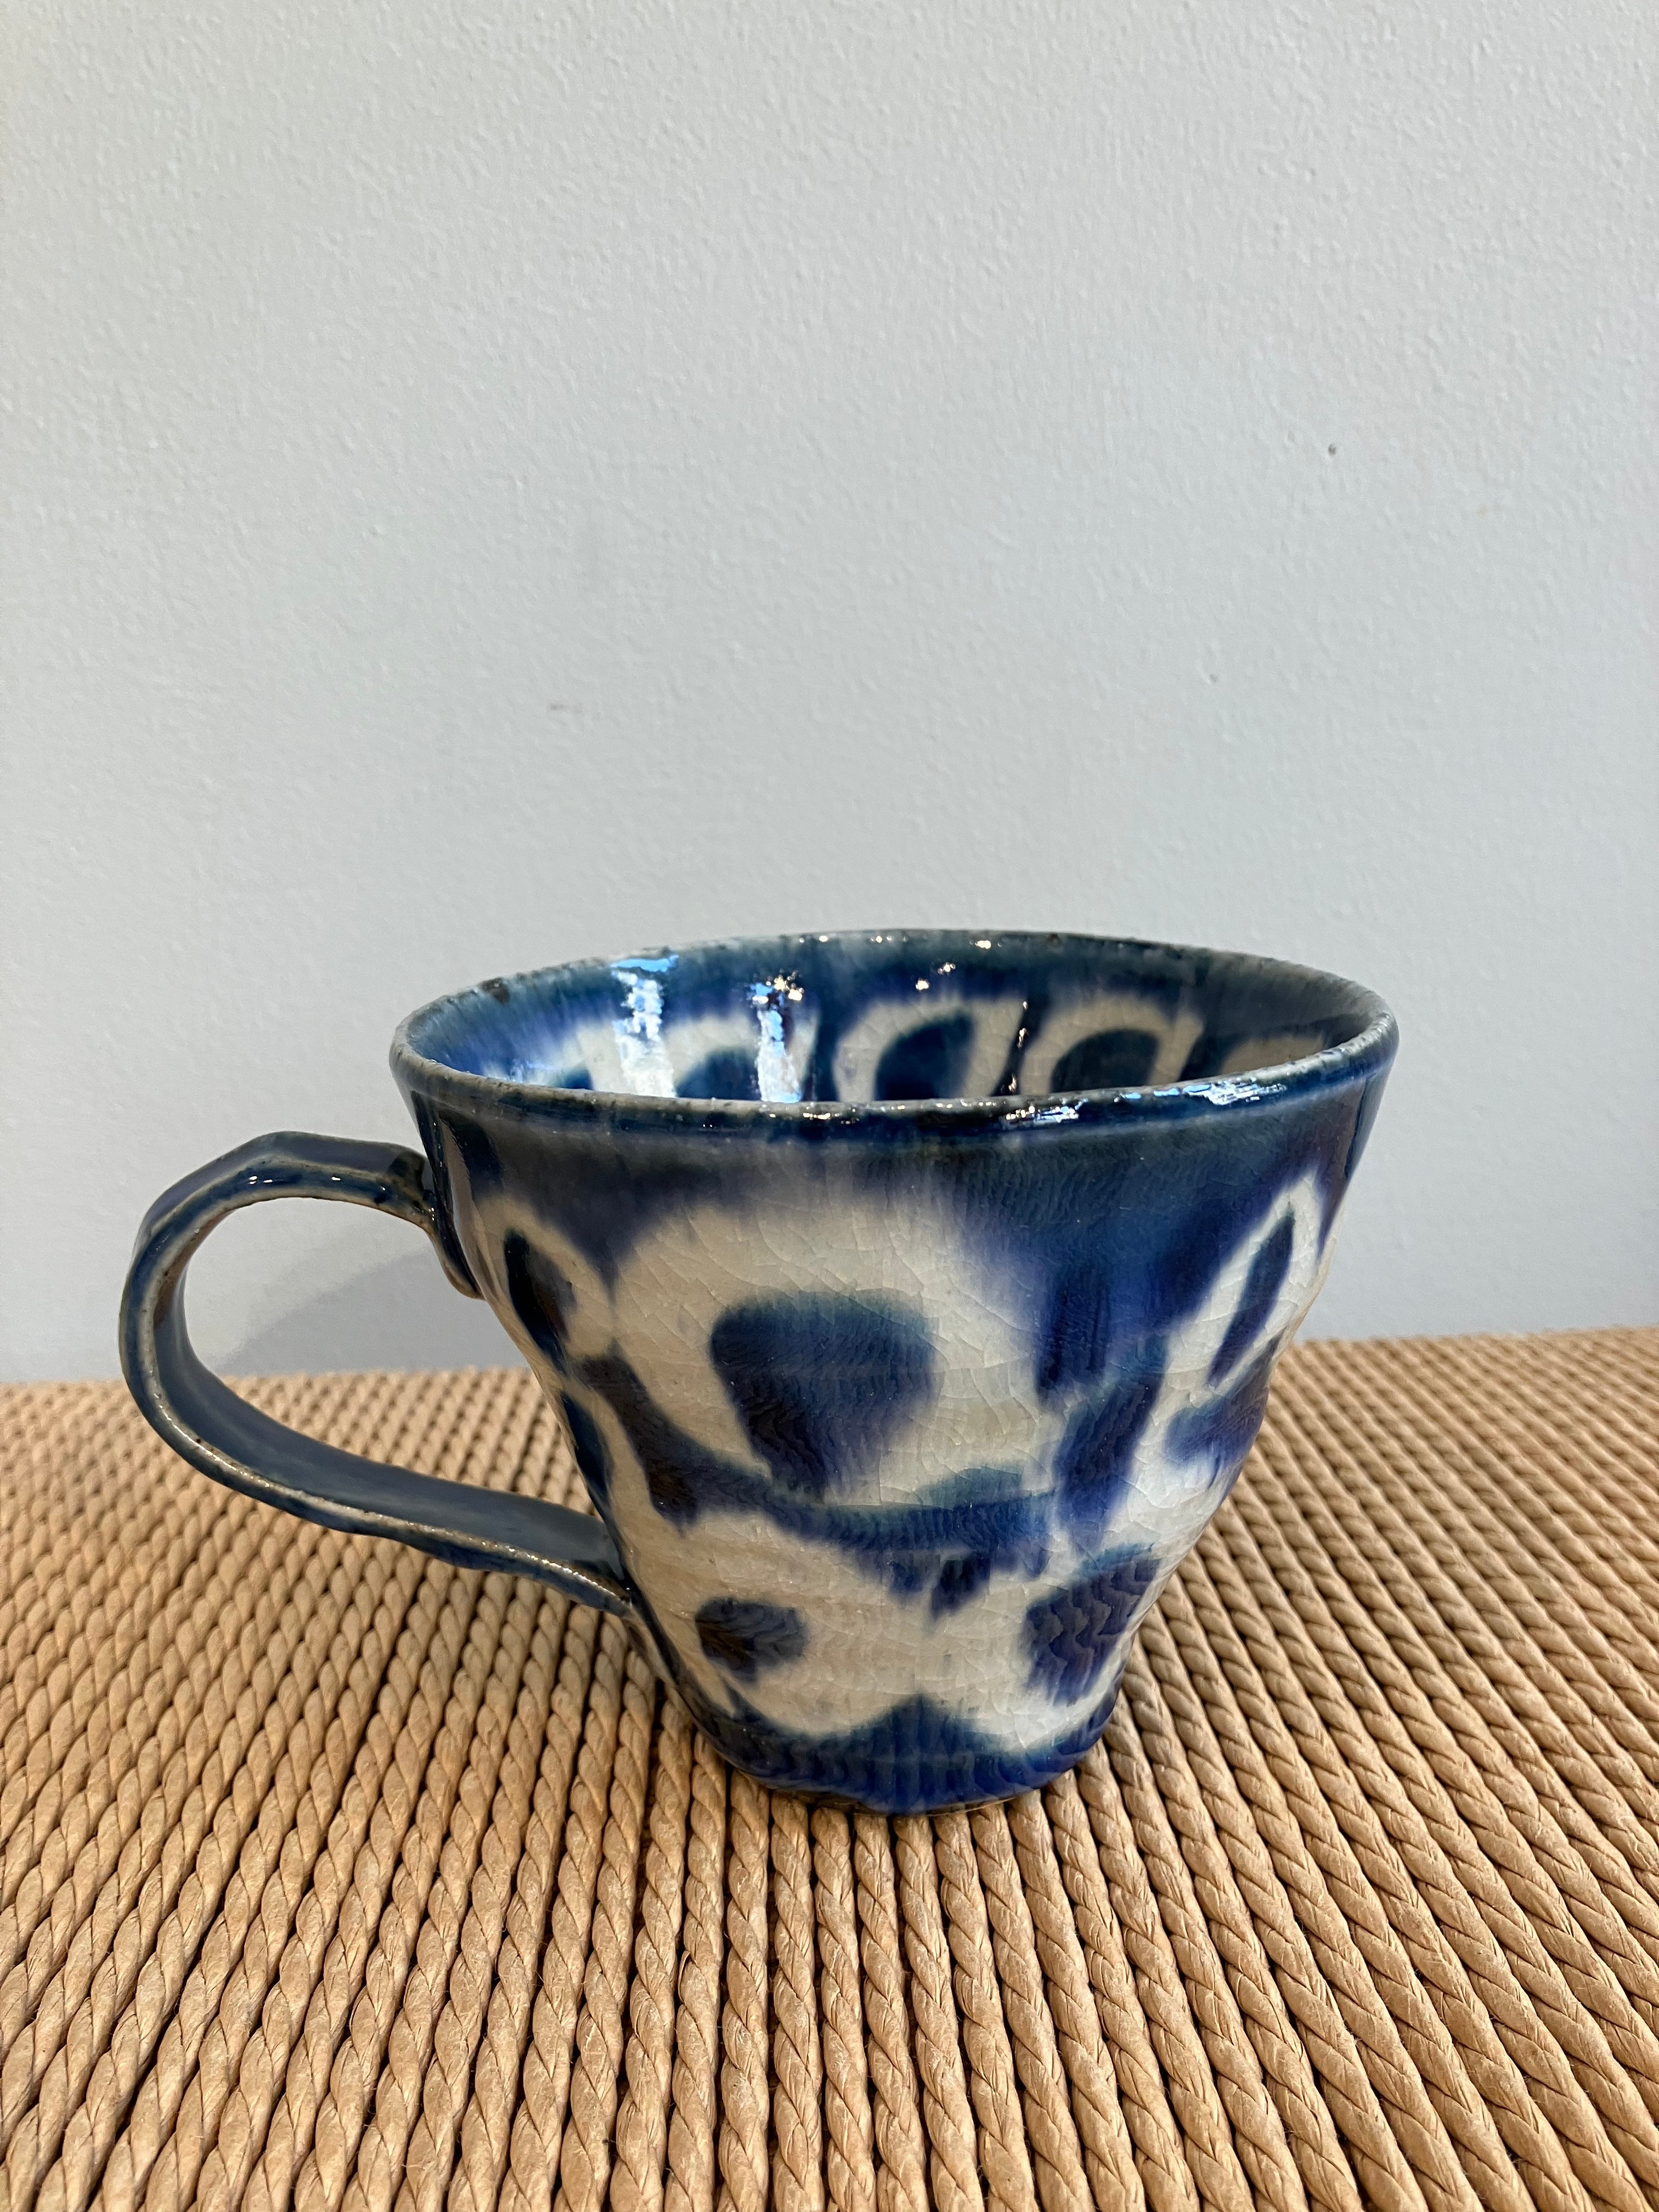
(1210,1054)
(588,1445)
(744,1637)
(1077,1330)
(1261,1287)
(908,1572)
(972,1486)
(726,1074)
(1098,1447)
(1012,1531)
(987,1526)
(1070,1634)
(540,1295)
(574,1078)
(820,1381)
(982,1523)
(1224,1430)
(443,1185)
(680,1474)
(1243,1048)
(478,1154)
(958,1580)
(929,1063)
(1115,1060)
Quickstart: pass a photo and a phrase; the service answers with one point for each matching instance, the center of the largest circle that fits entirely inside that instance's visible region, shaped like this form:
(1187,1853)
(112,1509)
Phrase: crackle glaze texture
(911,1299)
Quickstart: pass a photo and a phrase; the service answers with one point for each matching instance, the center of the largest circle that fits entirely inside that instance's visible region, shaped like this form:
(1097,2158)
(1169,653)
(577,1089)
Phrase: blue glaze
(541,1297)
(1261,1287)
(910,1299)
(592,1459)
(819,1381)
(1077,1328)
(915,1755)
(1220,1433)
(1096,1452)
(929,1062)
(728,1072)
(1112,1060)
(743,1638)
(1070,1633)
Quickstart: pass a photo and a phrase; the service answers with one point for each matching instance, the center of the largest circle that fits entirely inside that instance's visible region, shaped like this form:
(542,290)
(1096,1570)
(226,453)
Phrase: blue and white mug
(910,1297)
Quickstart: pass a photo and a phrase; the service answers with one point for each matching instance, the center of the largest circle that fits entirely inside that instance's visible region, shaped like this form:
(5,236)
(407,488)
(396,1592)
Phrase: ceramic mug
(910,1299)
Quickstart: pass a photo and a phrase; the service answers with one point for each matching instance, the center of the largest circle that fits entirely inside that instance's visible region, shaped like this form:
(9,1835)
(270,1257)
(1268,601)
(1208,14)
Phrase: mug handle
(228,1439)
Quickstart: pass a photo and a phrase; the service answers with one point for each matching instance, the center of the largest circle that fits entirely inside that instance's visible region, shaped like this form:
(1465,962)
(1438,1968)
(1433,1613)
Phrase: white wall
(496,483)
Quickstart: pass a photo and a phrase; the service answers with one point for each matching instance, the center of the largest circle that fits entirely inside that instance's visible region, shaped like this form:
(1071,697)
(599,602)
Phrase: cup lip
(1368,1052)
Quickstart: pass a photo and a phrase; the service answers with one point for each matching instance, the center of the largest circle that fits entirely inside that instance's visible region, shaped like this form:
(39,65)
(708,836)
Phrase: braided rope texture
(333,1879)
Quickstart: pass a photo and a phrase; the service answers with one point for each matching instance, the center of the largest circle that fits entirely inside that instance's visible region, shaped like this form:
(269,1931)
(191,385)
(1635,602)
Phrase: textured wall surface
(486,485)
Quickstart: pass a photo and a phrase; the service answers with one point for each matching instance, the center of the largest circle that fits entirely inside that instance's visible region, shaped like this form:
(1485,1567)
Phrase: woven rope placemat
(334,1876)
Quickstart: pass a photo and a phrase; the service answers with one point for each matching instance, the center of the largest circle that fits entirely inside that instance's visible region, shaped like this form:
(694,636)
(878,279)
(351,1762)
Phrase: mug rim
(1368,1052)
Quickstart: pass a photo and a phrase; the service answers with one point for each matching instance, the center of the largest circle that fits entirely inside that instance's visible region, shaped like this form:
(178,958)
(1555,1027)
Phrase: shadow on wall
(402,1314)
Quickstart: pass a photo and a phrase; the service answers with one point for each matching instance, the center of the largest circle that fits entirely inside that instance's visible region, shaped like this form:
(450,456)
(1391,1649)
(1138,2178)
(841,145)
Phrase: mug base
(916,1758)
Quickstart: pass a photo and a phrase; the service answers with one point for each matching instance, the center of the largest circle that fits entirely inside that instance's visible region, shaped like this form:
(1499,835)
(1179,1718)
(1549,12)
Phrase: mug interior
(893,1015)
